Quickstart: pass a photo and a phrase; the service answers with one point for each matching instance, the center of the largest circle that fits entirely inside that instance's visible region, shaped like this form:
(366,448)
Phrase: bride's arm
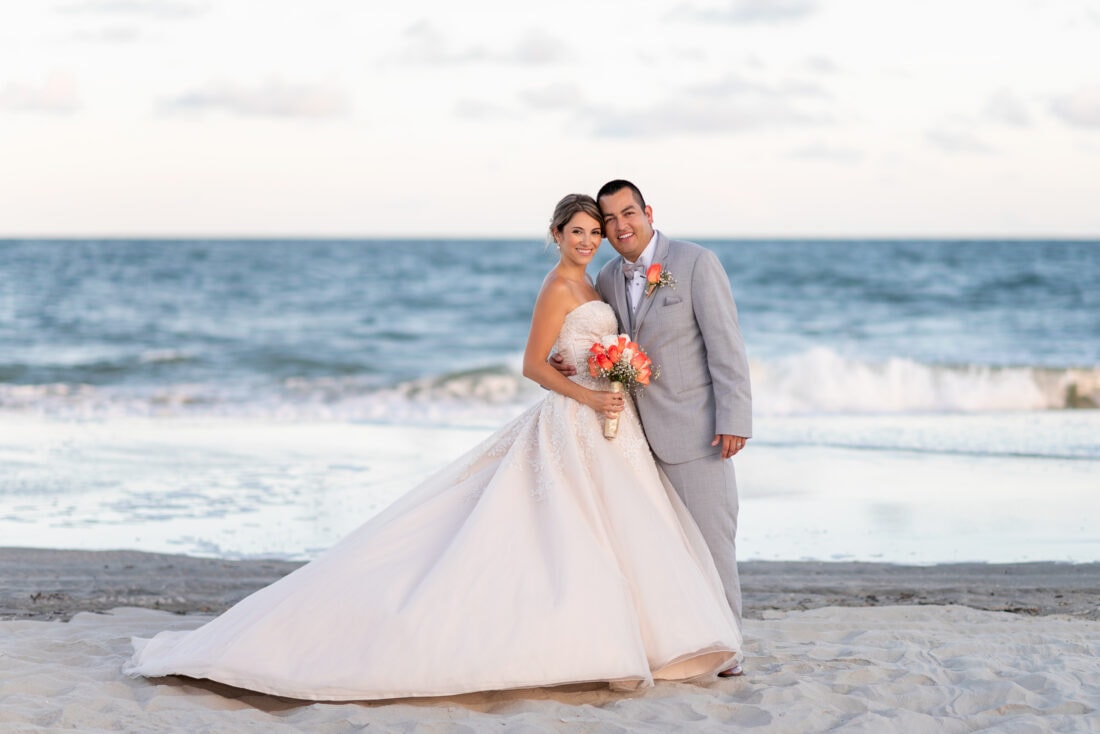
(554,302)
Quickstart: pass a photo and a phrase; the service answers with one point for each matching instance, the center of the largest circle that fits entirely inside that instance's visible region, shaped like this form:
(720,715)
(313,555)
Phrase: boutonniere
(657,277)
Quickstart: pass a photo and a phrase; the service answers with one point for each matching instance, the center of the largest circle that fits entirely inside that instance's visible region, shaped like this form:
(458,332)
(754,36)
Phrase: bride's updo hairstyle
(567,207)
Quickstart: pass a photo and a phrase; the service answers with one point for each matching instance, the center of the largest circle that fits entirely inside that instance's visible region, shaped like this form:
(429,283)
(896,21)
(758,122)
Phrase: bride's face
(579,239)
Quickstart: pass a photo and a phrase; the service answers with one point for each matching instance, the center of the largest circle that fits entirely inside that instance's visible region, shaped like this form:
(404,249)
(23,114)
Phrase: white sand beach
(874,669)
(829,647)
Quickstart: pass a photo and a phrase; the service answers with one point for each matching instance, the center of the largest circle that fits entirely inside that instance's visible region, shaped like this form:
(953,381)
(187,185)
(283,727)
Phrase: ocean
(261,397)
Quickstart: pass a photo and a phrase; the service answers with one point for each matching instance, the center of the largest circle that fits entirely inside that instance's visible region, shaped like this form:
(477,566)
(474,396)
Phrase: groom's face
(627,225)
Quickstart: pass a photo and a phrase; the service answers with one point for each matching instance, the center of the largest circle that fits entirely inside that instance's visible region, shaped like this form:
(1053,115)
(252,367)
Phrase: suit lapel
(660,255)
(618,287)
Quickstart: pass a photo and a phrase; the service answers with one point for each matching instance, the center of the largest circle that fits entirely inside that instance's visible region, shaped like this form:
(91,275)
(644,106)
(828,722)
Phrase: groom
(699,413)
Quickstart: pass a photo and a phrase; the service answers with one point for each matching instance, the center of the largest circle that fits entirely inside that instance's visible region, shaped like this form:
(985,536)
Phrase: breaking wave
(816,382)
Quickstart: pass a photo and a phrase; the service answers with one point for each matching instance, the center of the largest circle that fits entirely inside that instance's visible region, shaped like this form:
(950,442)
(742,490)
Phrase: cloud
(822,65)
(425,45)
(692,54)
(553,97)
(737,85)
(162,9)
(55,96)
(1081,108)
(732,104)
(824,152)
(1008,109)
(270,99)
(480,109)
(111,35)
(752,11)
(719,116)
(535,49)
(956,141)
(562,97)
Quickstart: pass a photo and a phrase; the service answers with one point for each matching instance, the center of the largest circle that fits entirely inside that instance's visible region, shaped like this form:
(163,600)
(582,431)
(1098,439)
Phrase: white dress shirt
(635,289)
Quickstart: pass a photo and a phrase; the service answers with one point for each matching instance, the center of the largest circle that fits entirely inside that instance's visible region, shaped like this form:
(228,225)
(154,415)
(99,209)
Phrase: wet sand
(56,584)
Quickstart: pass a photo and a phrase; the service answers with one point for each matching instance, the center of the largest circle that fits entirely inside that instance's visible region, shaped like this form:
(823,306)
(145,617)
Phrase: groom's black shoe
(733,672)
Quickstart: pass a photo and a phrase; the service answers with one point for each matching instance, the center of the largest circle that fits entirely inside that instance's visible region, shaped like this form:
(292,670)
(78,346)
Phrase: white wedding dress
(546,555)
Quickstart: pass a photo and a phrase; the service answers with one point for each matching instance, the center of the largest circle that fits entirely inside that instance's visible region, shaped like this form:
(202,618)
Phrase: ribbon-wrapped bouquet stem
(623,363)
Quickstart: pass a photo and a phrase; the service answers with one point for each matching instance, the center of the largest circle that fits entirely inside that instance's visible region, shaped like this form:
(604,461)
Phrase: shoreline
(234,488)
(48,584)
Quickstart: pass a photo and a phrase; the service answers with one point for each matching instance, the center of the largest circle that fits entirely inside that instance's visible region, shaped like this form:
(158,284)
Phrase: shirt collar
(646,258)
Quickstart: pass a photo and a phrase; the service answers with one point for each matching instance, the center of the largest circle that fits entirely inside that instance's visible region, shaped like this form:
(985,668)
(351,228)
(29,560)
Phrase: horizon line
(540,238)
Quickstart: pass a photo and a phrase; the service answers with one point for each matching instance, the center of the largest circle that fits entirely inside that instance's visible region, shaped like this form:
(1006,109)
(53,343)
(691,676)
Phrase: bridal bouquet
(624,363)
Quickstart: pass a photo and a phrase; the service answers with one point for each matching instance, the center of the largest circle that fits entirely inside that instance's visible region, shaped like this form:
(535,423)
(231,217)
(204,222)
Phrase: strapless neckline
(578,308)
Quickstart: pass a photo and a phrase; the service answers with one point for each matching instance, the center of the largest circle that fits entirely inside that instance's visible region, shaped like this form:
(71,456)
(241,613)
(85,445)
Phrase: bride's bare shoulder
(557,293)
(553,301)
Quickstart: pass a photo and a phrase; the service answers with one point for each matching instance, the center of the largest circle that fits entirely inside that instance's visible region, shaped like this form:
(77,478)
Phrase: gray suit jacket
(690,331)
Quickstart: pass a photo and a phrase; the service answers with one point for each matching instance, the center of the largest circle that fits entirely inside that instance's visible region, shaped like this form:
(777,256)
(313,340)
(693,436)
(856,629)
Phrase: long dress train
(546,555)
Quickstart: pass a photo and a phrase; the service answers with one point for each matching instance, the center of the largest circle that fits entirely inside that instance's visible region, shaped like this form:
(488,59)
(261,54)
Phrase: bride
(546,555)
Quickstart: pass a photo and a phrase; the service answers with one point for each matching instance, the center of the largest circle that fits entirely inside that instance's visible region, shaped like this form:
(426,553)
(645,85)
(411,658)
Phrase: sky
(736,118)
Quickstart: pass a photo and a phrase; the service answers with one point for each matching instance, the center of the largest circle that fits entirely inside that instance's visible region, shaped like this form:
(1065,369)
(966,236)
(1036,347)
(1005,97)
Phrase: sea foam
(819,381)
(822,381)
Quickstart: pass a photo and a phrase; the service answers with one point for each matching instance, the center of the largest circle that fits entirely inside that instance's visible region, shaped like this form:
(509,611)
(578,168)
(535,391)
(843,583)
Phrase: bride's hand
(607,403)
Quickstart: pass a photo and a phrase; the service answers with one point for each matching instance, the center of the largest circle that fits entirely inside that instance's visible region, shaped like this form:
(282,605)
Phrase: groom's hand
(730,444)
(558,362)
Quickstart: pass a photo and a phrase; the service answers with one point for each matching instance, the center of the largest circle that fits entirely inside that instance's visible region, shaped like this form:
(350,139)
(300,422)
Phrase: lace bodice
(584,325)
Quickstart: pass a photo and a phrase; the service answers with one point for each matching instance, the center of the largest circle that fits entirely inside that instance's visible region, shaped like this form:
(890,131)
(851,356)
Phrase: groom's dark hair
(613,187)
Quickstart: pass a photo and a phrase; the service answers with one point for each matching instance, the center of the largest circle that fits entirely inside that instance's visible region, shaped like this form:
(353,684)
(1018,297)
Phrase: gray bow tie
(632,269)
